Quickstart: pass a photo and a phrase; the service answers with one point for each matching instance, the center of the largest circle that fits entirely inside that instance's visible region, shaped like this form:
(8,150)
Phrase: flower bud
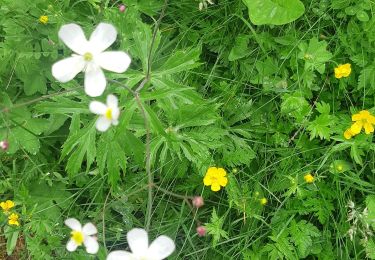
(201,231)
(4,145)
(198,201)
(122,8)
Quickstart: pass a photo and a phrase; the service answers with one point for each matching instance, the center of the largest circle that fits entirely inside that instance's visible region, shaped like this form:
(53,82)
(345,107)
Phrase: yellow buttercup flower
(263,201)
(13,219)
(43,19)
(6,205)
(308,178)
(215,177)
(363,120)
(343,71)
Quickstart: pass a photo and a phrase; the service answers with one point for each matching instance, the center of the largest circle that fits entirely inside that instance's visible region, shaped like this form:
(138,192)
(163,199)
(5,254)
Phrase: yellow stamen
(108,114)
(77,237)
(87,56)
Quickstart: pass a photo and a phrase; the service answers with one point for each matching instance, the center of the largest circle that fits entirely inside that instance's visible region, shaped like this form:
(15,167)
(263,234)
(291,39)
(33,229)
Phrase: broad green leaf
(275,12)
(12,238)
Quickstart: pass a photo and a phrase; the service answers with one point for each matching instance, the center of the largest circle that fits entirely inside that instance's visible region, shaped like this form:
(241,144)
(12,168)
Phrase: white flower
(90,57)
(161,248)
(109,112)
(82,235)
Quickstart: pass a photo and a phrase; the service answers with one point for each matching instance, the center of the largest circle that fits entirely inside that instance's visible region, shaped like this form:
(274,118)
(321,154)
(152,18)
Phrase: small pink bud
(198,201)
(4,145)
(201,231)
(122,8)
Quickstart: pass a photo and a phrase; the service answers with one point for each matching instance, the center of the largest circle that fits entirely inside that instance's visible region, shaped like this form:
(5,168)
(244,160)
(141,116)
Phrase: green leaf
(302,234)
(181,60)
(215,228)
(12,238)
(78,145)
(320,127)
(239,49)
(275,12)
(111,156)
(370,204)
(315,55)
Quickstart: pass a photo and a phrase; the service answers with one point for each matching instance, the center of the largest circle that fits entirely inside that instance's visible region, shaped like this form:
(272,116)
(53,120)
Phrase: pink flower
(4,145)
(122,8)
(198,201)
(201,231)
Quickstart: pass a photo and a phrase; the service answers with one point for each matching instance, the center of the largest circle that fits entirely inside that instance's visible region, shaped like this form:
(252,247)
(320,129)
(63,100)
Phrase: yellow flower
(363,119)
(43,19)
(7,205)
(215,177)
(343,71)
(348,134)
(263,201)
(13,219)
(308,178)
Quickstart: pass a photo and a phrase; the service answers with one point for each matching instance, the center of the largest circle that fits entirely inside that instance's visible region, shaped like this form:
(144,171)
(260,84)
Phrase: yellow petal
(207,181)
(348,134)
(215,186)
(221,172)
(223,181)
(356,117)
(356,127)
(368,128)
(338,74)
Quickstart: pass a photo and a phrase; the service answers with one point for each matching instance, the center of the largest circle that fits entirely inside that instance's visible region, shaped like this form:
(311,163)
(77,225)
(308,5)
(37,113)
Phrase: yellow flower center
(77,237)
(108,113)
(87,56)
(43,19)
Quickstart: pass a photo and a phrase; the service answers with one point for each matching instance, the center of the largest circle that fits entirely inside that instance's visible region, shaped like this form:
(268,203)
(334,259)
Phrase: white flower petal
(66,69)
(112,101)
(115,115)
(73,224)
(73,37)
(116,61)
(161,248)
(89,229)
(102,124)
(102,37)
(120,255)
(71,246)
(92,246)
(97,107)
(95,82)
(138,241)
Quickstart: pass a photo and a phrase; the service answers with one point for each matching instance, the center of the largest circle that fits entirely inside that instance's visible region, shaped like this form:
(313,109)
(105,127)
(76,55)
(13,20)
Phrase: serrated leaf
(182,60)
(77,146)
(302,234)
(315,55)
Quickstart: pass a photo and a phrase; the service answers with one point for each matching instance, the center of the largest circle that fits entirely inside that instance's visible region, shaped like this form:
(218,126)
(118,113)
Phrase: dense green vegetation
(247,86)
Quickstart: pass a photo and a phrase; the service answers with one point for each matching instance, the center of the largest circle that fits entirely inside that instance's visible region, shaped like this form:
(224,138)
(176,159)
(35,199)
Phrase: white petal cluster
(82,235)
(90,56)
(159,249)
(108,113)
